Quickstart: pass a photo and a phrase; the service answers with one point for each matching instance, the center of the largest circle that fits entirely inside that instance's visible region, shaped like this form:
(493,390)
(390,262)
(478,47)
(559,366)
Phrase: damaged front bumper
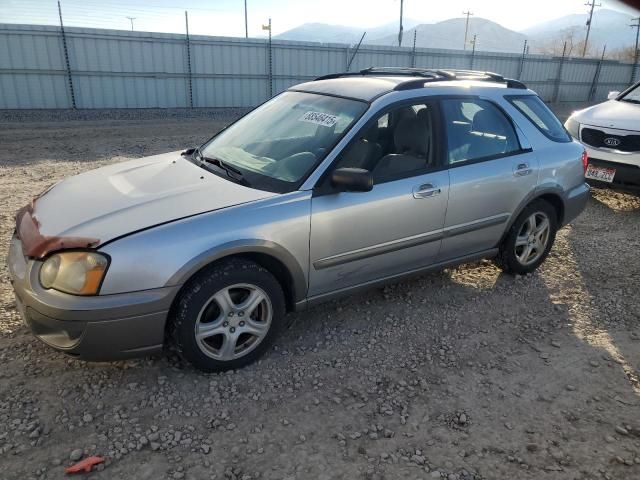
(101,327)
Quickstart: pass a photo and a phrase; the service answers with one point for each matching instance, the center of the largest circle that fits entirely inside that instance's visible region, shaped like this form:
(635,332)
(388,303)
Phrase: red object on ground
(85,465)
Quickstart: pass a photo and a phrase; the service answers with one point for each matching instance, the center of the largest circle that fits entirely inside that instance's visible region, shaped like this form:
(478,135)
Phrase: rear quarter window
(539,114)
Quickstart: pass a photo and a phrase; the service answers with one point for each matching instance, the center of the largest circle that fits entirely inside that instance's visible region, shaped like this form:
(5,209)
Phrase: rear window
(535,110)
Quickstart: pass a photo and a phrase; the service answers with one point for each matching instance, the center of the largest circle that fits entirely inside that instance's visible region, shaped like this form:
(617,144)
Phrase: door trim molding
(379,249)
(323,297)
(409,242)
(463,228)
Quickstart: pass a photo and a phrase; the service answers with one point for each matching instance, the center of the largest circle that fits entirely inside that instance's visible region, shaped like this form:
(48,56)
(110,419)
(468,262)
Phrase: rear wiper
(237,174)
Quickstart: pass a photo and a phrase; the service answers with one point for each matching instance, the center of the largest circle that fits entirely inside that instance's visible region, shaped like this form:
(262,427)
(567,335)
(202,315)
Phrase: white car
(610,132)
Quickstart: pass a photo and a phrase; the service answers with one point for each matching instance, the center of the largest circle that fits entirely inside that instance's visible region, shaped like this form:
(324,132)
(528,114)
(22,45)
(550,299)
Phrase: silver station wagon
(345,182)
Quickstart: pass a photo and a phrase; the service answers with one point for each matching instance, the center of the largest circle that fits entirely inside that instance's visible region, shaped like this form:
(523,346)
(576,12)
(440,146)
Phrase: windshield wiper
(630,100)
(231,171)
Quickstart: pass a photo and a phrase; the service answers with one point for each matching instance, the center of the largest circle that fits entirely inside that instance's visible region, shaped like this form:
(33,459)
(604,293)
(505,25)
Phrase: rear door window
(477,129)
(539,114)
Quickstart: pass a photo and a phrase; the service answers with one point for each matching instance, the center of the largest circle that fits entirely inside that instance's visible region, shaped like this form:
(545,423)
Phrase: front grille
(599,139)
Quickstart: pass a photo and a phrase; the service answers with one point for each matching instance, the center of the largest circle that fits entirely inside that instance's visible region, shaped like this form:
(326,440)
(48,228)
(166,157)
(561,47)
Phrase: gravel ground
(464,374)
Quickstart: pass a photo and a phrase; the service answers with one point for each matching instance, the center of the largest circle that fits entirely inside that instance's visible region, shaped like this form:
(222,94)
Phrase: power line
(466,27)
(591,4)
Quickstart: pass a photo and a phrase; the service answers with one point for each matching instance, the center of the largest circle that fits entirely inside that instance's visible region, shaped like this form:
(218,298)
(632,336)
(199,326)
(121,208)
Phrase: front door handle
(426,191)
(522,169)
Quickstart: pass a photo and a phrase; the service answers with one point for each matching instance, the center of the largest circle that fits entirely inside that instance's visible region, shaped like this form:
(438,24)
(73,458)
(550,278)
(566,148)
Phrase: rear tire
(529,239)
(227,315)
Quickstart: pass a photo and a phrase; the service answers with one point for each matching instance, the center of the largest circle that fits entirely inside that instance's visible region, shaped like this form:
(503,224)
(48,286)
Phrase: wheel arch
(552,195)
(271,256)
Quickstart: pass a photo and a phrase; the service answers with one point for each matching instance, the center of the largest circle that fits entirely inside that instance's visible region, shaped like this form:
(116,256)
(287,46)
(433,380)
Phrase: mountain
(608,27)
(321,32)
(491,37)
(324,33)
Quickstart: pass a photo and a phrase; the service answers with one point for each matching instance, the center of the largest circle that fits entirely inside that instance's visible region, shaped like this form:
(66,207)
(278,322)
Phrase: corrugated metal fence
(121,69)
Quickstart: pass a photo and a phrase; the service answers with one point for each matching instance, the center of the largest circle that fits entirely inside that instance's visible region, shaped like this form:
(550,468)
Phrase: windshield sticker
(319,118)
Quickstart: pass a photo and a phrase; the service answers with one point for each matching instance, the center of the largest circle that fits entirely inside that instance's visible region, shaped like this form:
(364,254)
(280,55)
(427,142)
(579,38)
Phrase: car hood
(611,114)
(119,199)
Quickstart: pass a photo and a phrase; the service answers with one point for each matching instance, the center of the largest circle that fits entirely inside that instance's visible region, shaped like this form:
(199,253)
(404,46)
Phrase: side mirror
(187,152)
(352,179)
(613,95)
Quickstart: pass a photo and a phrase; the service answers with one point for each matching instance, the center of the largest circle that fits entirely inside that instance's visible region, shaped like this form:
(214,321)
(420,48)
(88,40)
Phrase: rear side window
(539,114)
(477,129)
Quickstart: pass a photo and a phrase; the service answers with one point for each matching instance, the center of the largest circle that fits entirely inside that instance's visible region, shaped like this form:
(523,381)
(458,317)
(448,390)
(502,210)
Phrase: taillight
(585,161)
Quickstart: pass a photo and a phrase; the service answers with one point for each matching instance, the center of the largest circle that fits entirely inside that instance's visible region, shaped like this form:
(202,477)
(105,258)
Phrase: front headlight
(78,273)
(573,127)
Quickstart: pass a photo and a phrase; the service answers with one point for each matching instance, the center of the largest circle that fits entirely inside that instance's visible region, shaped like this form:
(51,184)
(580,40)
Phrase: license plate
(600,173)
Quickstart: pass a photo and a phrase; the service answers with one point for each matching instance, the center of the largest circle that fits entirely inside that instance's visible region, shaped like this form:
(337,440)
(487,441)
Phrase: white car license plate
(600,173)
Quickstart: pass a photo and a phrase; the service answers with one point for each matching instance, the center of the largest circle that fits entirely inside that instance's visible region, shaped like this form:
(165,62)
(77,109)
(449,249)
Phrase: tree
(625,54)
(573,36)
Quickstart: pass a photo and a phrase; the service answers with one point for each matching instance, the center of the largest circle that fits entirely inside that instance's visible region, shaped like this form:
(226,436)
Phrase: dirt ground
(463,374)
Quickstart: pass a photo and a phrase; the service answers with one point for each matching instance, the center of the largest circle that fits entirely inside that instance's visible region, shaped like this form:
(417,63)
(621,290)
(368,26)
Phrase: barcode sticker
(319,118)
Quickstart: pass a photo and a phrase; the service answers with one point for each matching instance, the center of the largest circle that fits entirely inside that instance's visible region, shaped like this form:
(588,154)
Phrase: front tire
(227,316)
(529,239)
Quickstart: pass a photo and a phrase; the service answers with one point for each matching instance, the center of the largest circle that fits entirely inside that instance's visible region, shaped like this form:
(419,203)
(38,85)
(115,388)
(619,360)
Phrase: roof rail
(429,75)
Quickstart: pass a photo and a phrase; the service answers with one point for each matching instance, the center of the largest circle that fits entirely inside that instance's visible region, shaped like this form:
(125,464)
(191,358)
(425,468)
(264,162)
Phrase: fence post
(521,66)
(635,51)
(186,20)
(413,51)
(596,76)
(270,60)
(473,51)
(355,52)
(66,59)
(556,90)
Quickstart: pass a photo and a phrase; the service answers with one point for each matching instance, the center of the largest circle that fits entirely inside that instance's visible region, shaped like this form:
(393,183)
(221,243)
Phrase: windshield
(278,144)
(632,95)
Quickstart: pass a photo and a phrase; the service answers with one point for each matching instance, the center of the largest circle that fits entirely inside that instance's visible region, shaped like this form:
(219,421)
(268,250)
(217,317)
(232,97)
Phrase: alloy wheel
(532,238)
(233,321)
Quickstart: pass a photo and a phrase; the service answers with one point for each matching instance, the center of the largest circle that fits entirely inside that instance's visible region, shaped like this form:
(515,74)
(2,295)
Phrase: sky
(226,17)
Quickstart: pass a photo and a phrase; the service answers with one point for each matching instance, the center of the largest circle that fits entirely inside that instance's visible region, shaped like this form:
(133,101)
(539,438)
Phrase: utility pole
(468,13)
(591,4)
(400,31)
(246,24)
(635,52)
(131,19)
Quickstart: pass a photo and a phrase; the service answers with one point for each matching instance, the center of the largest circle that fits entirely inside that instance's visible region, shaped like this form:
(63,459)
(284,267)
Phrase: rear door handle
(425,191)
(522,169)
